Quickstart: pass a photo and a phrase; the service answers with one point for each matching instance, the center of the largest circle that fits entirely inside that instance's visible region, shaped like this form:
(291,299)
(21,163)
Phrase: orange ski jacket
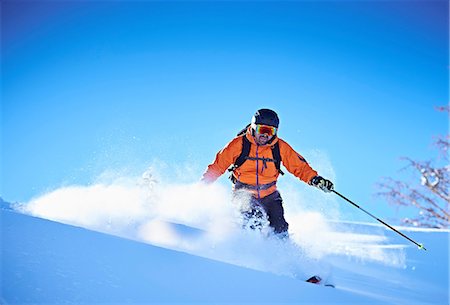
(256,172)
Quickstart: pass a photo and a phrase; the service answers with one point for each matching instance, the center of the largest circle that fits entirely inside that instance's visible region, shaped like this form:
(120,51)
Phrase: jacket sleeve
(295,163)
(224,158)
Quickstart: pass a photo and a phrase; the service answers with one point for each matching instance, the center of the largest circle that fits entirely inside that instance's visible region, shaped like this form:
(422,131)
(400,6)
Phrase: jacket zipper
(257,172)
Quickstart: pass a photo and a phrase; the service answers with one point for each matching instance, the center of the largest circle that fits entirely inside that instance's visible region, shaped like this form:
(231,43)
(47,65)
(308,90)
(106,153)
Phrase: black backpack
(246,151)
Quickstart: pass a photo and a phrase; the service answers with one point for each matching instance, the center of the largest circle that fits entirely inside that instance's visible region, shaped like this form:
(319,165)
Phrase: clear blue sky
(89,86)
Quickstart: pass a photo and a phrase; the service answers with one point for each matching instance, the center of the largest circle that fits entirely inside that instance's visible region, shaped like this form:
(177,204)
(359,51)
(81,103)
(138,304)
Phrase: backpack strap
(277,157)
(244,152)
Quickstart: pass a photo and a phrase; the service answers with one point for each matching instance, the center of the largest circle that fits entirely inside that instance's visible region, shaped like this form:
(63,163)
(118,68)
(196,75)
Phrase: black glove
(323,184)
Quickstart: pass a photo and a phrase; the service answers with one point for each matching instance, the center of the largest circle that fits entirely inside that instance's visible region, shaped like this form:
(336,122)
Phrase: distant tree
(430,193)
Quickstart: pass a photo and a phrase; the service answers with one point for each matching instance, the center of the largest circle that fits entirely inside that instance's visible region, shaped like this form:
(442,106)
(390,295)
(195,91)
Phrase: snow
(49,263)
(124,242)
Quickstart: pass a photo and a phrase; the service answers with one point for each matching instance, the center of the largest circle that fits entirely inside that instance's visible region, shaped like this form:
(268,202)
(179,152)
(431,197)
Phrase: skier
(255,155)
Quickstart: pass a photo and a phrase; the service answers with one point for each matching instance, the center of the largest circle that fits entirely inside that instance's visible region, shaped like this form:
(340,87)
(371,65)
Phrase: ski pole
(387,225)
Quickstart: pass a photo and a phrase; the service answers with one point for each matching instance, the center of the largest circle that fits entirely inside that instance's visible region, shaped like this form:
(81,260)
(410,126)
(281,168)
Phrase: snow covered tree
(430,193)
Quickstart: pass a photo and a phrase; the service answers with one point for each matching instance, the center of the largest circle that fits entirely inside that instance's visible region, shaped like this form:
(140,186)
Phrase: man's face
(263,134)
(262,139)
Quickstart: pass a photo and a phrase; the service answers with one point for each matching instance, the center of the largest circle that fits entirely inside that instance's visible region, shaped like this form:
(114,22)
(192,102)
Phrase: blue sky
(91,86)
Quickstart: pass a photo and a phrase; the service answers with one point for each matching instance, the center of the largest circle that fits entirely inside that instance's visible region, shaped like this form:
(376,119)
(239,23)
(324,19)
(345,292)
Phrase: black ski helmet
(266,117)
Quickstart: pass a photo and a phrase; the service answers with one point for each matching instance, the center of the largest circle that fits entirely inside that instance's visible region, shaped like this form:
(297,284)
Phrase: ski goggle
(264,129)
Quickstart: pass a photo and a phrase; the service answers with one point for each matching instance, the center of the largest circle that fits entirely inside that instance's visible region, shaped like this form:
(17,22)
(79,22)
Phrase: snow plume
(204,220)
(122,205)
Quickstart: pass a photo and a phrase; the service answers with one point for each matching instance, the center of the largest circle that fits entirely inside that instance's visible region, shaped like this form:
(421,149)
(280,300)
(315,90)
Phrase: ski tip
(318,281)
(314,279)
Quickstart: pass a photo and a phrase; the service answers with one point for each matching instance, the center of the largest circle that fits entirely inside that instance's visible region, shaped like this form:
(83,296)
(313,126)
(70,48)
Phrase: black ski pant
(270,207)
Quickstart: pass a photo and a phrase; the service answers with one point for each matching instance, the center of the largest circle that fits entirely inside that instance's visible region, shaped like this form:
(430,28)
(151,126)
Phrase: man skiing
(256,154)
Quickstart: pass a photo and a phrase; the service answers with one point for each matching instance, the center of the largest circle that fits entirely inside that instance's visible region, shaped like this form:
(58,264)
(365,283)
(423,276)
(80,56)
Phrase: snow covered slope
(132,242)
(45,262)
